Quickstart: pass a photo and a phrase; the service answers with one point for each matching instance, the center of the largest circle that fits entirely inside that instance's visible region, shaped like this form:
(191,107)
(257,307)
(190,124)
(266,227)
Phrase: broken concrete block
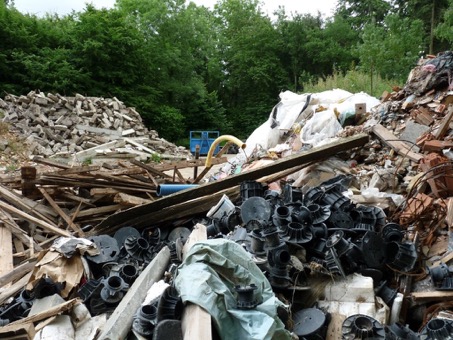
(41,305)
(61,328)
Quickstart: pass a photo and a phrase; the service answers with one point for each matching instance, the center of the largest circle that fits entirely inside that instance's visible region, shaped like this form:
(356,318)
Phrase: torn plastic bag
(319,128)
(208,277)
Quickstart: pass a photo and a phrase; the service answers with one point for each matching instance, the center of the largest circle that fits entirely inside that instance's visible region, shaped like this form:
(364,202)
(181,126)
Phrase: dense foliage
(186,67)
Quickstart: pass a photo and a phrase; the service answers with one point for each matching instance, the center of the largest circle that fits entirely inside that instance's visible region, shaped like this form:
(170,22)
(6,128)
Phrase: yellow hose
(219,139)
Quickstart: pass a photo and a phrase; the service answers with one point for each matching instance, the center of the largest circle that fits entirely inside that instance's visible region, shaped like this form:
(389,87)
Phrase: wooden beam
(392,141)
(63,215)
(17,272)
(445,124)
(423,297)
(138,216)
(6,254)
(46,226)
(196,321)
(129,200)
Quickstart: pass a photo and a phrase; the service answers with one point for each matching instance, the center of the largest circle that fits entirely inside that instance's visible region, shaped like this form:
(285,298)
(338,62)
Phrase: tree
(253,74)
(360,12)
(430,12)
(444,30)
(392,49)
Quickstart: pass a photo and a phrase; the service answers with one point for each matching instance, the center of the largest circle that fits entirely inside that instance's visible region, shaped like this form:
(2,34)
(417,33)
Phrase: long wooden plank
(17,272)
(63,215)
(392,141)
(6,254)
(46,226)
(138,216)
(196,321)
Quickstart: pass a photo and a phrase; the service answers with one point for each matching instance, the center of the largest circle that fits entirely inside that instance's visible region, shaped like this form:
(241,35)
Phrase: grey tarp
(208,276)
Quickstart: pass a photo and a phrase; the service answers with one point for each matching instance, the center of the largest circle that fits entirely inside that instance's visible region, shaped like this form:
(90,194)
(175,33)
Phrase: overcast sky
(62,7)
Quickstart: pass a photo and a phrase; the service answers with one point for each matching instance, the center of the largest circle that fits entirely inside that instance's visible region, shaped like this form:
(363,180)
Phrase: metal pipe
(214,144)
(168,189)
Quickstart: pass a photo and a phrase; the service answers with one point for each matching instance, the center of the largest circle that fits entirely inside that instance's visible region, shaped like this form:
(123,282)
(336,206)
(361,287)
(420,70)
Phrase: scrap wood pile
(351,233)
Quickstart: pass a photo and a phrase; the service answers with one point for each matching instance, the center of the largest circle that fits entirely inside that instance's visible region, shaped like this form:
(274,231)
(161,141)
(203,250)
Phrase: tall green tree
(253,74)
(430,12)
(361,12)
(390,50)
(444,30)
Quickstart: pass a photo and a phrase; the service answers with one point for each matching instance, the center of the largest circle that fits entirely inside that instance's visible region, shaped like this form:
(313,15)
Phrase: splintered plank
(445,124)
(6,255)
(139,216)
(63,215)
(196,321)
(392,141)
(46,226)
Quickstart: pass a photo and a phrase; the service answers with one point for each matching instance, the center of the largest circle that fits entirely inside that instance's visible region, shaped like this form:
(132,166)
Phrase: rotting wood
(138,216)
(392,141)
(151,169)
(18,332)
(196,321)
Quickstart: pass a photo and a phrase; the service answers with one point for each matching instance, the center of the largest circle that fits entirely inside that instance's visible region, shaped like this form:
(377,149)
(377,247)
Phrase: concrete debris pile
(62,127)
(333,222)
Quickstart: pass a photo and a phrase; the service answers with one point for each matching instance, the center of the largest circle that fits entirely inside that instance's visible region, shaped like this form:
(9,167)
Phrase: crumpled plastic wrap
(207,277)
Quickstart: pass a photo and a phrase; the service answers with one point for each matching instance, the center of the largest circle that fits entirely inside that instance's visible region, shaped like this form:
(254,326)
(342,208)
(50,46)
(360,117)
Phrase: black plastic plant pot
(154,237)
(129,273)
(313,195)
(138,248)
(439,273)
(337,241)
(401,256)
(297,233)
(386,293)
(271,236)
(318,249)
(251,189)
(319,230)
(170,305)
(333,263)
(291,194)
(310,324)
(257,243)
(319,214)
(108,249)
(278,256)
(123,233)
(361,326)
(397,331)
(282,216)
(245,296)
(90,288)
(364,218)
(304,216)
(336,200)
(437,329)
(340,219)
(113,290)
(255,208)
(373,249)
(391,232)
(145,320)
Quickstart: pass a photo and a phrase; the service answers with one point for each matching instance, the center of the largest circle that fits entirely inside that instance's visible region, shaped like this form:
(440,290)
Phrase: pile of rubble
(65,128)
(333,222)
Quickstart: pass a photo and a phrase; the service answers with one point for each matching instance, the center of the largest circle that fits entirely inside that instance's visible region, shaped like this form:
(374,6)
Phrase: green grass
(353,81)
